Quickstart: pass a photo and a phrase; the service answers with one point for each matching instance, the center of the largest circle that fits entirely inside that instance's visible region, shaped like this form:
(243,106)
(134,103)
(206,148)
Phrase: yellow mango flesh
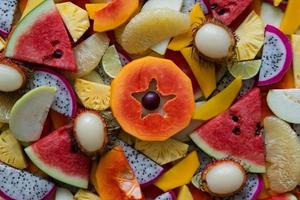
(184,194)
(219,103)
(31,4)
(180,174)
(204,73)
(197,17)
(291,19)
(92,8)
(296,59)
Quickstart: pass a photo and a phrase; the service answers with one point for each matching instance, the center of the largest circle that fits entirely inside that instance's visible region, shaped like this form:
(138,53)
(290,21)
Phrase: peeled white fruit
(90,131)
(161,47)
(225,178)
(285,103)
(271,14)
(89,53)
(11,79)
(213,41)
(29,113)
(63,194)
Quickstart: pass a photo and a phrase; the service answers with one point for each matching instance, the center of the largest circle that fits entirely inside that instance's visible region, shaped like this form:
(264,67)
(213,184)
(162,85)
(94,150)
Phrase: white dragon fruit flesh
(21,185)
(146,170)
(65,99)
(187,6)
(7,12)
(166,196)
(276,56)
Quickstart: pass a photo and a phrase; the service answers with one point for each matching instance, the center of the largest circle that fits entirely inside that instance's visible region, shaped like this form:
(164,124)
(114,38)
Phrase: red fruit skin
(227,11)
(198,194)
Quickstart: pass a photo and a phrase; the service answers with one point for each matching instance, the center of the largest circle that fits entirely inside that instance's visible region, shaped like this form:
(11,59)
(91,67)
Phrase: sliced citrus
(151,27)
(251,37)
(282,147)
(245,69)
(111,62)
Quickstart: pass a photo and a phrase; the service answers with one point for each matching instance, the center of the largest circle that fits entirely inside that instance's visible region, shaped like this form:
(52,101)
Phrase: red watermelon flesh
(227,11)
(236,133)
(58,156)
(42,38)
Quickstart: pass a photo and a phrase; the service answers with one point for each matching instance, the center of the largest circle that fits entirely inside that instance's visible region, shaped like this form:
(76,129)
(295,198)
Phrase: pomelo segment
(151,27)
(58,156)
(236,133)
(29,113)
(40,37)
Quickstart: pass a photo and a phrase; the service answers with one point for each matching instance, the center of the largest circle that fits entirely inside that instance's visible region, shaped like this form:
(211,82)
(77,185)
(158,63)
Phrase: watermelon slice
(58,156)
(236,133)
(40,37)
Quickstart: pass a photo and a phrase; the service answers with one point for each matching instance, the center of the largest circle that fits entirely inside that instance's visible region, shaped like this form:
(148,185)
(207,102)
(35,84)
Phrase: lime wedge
(111,62)
(245,69)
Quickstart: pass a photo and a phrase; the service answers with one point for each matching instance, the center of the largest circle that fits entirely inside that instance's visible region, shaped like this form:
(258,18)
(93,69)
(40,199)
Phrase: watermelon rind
(25,24)
(54,172)
(250,166)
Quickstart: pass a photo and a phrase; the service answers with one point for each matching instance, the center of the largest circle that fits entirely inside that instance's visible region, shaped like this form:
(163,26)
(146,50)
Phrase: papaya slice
(115,179)
(135,78)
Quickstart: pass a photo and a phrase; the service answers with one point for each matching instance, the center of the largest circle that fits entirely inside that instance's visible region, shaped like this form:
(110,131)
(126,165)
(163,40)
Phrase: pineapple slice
(75,18)
(296,59)
(85,195)
(282,147)
(251,37)
(277,2)
(151,27)
(93,95)
(162,152)
(10,151)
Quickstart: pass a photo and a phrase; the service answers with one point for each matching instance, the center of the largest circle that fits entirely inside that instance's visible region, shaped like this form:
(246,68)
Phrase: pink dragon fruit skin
(7,11)
(19,184)
(276,58)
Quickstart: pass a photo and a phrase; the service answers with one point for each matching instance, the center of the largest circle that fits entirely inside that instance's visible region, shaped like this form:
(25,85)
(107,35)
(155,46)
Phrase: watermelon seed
(222,11)
(213,6)
(235,118)
(58,53)
(74,146)
(258,129)
(236,130)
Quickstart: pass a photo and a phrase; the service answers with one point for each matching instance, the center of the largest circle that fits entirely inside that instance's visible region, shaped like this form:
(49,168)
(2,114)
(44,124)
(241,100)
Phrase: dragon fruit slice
(7,11)
(146,170)
(187,6)
(19,184)
(166,196)
(65,99)
(276,56)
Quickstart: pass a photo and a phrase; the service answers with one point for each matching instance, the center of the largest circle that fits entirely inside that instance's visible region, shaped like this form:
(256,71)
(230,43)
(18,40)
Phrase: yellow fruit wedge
(180,174)
(204,72)
(94,96)
(184,193)
(92,8)
(31,4)
(296,59)
(11,151)
(2,43)
(291,19)
(219,103)
(181,41)
(277,2)
(251,37)
(75,18)
(85,195)
(282,155)
(151,27)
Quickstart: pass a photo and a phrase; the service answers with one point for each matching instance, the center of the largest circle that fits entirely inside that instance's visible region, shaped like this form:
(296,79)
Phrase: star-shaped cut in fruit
(152,100)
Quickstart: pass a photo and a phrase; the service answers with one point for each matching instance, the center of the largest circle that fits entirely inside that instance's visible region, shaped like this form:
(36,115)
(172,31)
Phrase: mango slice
(180,174)
(219,103)
(197,17)
(296,59)
(92,8)
(31,4)
(184,194)
(291,19)
(204,72)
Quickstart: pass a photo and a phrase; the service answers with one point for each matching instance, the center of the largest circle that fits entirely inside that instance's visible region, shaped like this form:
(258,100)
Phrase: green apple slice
(29,113)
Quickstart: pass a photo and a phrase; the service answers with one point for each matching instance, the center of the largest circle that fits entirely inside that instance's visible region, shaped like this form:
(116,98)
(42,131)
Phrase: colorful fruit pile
(149,99)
